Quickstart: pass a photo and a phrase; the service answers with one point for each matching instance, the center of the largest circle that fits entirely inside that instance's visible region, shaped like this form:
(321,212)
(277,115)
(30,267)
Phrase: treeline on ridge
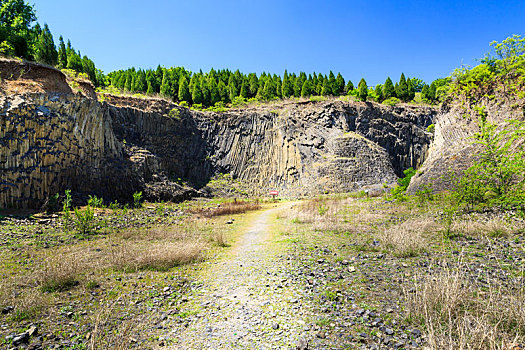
(216,88)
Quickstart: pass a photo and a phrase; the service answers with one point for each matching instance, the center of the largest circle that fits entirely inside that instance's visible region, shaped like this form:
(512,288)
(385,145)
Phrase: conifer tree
(277,83)
(244,90)
(74,62)
(223,91)
(425,95)
(150,90)
(214,91)
(339,85)
(379,93)
(402,88)
(306,90)
(332,83)
(388,89)
(184,90)
(62,55)
(253,84)
(326,91)
(411,94)
(45,50)
(432,91)
(232,88)
(349,87)
(196,92)
(362,90)
(165,89)
(287,88)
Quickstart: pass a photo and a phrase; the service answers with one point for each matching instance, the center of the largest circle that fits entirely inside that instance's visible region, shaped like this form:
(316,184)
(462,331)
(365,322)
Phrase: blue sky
(370,39)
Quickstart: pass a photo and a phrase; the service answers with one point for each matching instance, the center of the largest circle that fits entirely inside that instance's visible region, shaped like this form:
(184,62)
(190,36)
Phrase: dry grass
(475,228)
(155,256)
(409,237)
(459,315)
(110,332)
(231,208)
(59,273)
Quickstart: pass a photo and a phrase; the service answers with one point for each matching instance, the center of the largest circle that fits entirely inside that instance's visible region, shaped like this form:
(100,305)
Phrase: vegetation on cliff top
(20,38)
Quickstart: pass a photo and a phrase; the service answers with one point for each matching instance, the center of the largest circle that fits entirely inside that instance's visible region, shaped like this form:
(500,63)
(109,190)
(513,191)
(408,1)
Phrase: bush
(95,202)
(497,177)
(137,199)
(392,101)
(398,192)
(84,221)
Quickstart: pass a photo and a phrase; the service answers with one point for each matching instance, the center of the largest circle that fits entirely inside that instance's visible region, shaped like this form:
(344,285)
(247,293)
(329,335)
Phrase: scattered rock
(302,344)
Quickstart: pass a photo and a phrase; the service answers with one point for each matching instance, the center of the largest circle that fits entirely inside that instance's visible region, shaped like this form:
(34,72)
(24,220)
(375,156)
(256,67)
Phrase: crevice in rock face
(53,142)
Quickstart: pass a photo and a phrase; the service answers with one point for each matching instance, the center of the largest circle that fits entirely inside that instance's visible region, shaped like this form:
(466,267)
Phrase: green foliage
(378,93)
(362,89)
(322,209)
(175,114)
(392,101)
(402,89)
(84,220)
(431,128)
(388,89)
(137,199)
(44,48)
(68,201)
(398,192)
(95,202)
(497,177)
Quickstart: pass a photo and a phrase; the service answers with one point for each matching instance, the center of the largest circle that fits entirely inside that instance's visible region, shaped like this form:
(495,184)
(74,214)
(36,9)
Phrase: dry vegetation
(458,301)
(39,282)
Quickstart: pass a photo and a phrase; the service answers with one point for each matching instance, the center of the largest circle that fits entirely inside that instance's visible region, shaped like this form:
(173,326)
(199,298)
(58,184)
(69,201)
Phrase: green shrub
(174,113)
(497,177)
(392,101)
(95,202)
(137,199)
(431,128)
(398,192)
(84,220)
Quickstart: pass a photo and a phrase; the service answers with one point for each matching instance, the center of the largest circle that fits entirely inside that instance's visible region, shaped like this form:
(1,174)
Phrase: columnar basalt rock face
(453,149)
(51,142)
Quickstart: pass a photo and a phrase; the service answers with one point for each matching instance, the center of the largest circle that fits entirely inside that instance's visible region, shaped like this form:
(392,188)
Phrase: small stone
(321,335)
(344,262)
(229,222)
(7,309)
(351,268)
(33,331)
(302,344)
(275,326)
(166,289)
(389,331)
(416,333)
(22,338)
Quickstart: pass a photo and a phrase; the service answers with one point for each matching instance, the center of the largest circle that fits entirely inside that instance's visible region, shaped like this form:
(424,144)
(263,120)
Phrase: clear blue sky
(371,39)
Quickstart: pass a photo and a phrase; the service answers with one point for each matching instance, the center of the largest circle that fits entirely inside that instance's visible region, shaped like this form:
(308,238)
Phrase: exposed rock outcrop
(453,149)
(53,141)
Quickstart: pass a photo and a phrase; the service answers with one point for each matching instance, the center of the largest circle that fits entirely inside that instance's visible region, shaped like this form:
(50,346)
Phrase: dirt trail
(245,301)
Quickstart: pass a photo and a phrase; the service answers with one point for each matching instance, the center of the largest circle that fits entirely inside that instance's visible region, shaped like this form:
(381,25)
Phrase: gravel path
(245,301)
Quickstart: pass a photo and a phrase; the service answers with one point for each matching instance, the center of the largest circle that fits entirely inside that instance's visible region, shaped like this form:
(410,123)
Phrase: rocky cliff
(453,149)
(56,140)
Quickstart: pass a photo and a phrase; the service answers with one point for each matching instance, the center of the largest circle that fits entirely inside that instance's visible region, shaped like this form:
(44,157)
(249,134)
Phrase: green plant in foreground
(84,220)
(95,202)
(398,192)
(497,177)
(137,199)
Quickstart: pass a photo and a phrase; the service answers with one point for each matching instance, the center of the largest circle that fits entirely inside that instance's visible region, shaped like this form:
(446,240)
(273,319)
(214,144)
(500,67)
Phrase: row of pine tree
(19,38)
